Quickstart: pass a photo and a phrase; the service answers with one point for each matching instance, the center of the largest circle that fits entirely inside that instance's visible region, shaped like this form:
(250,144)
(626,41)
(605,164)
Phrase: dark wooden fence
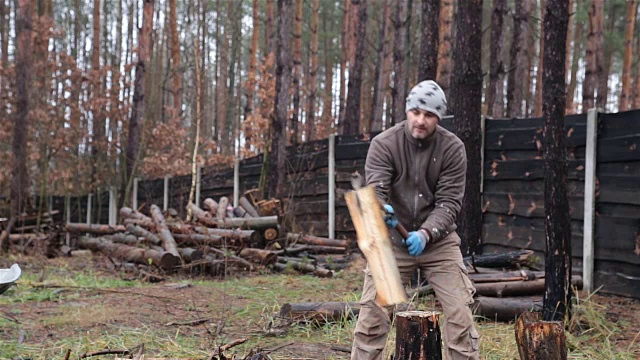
(513,191)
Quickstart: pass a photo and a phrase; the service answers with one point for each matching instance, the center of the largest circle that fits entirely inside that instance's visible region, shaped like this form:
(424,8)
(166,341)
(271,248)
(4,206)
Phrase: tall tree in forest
(381,75)
(176,72)
(344,57)
(576,55)
(327,115)
(250,84)
(518,55)
(279,122)
(428,64)
(270,35)
(557,293)
(297,70)
(313,72)
(625,94)
(495,89)
(443,77)
(234,70)
(594,44)
(537,112)
(19,180)
(221,83)
(352,117)
(466,100)
(399,91)
(605,57)
(4,39)
(138,107)
(97,116)
(636,82)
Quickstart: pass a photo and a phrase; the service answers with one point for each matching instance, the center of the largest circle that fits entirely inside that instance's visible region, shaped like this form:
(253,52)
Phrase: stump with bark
(418,336)
(538,340)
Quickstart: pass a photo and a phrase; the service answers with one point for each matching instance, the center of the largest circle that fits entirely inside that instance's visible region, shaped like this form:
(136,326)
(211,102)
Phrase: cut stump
(418,336)
(538,340)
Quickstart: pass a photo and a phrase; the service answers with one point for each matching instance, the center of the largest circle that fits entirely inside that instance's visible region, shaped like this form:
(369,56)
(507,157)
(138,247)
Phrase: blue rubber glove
(416,242)
(390,217)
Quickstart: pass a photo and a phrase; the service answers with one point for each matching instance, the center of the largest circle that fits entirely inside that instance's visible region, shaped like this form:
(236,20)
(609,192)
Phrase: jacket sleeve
(378,169)
(448,194)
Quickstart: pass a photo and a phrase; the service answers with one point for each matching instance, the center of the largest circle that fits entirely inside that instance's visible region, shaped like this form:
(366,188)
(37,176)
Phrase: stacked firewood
(506,286)
(38,229)
(217,239)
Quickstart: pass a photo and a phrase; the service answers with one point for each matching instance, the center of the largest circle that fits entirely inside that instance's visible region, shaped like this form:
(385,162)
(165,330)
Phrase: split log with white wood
(168,242)
(315,240)
(94,228)
(319,312)
(373,240)
(124,252)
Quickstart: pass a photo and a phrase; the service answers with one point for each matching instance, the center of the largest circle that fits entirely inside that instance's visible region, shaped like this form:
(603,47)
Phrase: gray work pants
(442,264)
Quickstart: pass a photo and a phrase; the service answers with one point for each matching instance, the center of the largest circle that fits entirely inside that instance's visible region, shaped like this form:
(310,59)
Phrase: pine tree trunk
(344,54)
(175,58)
(379,89)
(352,118)
(445,58)
(24,28)
(313,73)
(399,91)
(234,69)
(4,40)
(571,26)
(636,82)
(97,117)
(495,91)
(625,94)
(466,101)
(137,120)
(283,81)
(594,44)
(557,225)
(577,52)
(606,56)
(221,83)
(297,71)
(250,84)
(518,55)
(327,116)
(537,112)
(428,64)
(270,35)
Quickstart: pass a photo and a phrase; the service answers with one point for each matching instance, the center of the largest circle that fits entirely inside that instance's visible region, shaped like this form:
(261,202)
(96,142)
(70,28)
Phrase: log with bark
(418,335)
(123,238)
(240,212)
(191,255)
(510,259)
(199,239)
(168,242)
(221,212)
(320,312)
(264,222)
(211,206)
(515,288)
(94,228)
(144,233)
(250,237)
(518,275)
(259,256)
(147,224)
(246,204)
(305,268)
(314,240)
(137,255)
(505,309)
(537,339)
(129,213)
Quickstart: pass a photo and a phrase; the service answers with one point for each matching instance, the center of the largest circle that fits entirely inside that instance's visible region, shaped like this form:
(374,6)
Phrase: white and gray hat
(428,96)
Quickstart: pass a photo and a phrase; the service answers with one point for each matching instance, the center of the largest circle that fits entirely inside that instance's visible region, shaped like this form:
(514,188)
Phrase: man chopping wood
(418,171)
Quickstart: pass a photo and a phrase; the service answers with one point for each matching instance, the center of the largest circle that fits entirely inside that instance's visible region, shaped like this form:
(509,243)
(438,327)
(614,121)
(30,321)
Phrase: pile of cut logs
(504,290)
(219,237)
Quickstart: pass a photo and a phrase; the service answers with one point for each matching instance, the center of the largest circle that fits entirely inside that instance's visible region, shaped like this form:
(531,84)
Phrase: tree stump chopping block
(539,339)
(373,240)
(418,336)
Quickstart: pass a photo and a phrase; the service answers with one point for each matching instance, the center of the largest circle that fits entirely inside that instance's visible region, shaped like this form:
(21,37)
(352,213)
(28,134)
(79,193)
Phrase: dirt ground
(75,312)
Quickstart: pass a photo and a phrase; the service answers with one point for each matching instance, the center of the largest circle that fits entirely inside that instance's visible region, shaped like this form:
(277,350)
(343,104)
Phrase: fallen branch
(226,347)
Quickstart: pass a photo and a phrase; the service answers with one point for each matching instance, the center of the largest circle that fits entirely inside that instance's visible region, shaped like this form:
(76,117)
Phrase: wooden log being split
(305,268)
(144,233)
(259,256)
(246,204)
(168,242)
(510,259)
(505,309)
(538,340)
(137,255)
(314,240)
(94,228)
(373,240)
(515,288)
(319,312)
(418,336)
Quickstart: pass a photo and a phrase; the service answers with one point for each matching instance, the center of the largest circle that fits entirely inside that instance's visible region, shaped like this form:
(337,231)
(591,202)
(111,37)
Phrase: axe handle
(403,232)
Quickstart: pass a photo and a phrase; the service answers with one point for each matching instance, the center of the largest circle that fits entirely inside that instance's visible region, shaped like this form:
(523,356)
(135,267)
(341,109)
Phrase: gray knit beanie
(427,96)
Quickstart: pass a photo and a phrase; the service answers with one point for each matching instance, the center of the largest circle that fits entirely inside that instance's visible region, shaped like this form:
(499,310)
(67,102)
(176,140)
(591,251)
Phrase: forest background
(187,72)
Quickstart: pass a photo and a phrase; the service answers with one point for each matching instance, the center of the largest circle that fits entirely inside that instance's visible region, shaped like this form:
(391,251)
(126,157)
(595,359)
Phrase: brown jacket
(422,179)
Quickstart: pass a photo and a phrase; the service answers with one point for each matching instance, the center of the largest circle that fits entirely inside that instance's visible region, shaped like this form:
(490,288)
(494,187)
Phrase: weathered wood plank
(622,148)
(527,169)
(530,205)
